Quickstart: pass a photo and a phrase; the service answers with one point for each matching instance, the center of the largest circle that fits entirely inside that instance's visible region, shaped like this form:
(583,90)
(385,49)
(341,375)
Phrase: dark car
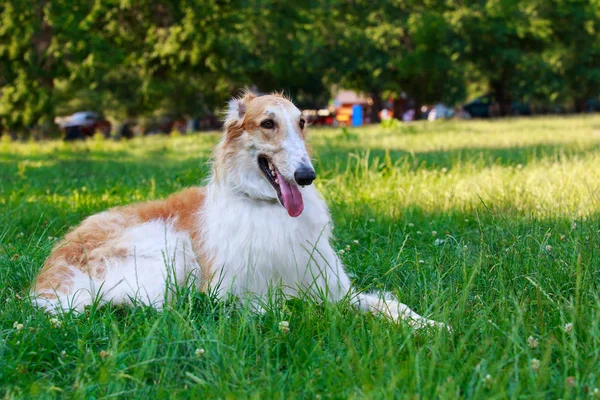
(486,106)
(480,107)
(85,124)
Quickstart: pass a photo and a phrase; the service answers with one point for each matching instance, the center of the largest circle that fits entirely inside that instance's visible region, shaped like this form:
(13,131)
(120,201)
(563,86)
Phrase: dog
(258,224)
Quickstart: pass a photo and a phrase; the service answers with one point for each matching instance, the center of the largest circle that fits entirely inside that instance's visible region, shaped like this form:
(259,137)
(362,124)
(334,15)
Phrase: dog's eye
(268,124)
(302,123)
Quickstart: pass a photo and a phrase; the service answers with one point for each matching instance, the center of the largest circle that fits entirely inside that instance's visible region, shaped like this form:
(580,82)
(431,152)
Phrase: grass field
(491,227)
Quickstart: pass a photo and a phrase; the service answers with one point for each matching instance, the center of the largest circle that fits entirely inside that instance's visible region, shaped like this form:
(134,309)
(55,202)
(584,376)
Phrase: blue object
(357,115)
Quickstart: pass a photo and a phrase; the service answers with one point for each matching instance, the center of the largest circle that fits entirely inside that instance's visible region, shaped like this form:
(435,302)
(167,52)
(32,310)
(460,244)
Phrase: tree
(27,64)
(395,47)
(499,38)
(576,49)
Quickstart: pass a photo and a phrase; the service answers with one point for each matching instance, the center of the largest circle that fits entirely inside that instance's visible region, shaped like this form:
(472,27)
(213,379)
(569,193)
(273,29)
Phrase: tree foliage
(184,58)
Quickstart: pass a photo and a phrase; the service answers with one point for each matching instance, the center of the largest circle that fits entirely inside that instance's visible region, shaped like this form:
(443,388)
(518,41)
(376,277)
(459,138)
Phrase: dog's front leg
(338,280)
(393,309)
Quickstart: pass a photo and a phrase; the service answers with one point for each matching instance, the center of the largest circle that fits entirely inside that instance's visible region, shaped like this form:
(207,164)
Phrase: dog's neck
(219,185)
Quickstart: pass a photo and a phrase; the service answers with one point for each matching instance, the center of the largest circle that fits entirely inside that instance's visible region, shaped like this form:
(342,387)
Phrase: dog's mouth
(288,193)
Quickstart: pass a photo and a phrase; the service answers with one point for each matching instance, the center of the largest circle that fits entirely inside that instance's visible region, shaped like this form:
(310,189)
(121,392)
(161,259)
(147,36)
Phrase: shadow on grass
(481,157)
(71,173)
(327,156)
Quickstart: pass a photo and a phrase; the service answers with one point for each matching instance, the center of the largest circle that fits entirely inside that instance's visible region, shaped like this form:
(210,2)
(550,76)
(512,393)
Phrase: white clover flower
(284,326)
(199,352)
(562,237)
(535,364)
(421,262)
(341,252)
(595,393)
(568,328)
(410,225)
(347,247)
(519,166)
(488,380)
(372,220)
(438,242)
(532,342)
(433,233)
(548,247)
(418,232)
(444,170)
(574,225)
(56,323)
(355,241)
(19,327)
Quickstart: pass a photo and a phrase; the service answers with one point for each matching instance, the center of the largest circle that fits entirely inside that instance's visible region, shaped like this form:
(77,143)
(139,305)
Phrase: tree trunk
(502,98)
(398,109)
(376,107)
(580,103)
(418,103)
(41,42)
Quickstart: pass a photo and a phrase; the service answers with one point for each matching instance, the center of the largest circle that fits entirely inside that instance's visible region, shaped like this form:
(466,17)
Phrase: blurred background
(124,68)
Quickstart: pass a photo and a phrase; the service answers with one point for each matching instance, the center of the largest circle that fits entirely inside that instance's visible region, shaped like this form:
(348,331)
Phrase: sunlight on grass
(491,227)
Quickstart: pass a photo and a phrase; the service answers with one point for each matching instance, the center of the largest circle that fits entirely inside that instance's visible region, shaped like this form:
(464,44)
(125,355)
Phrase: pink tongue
(292,198)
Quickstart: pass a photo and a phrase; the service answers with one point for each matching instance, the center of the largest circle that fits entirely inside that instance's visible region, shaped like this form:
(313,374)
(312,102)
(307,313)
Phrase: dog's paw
(424,323)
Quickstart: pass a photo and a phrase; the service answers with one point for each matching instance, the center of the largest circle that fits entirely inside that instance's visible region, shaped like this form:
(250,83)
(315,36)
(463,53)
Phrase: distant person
(385,114)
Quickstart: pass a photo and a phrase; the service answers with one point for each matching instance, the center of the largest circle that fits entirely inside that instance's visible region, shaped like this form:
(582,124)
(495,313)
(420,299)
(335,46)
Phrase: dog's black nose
(304,176)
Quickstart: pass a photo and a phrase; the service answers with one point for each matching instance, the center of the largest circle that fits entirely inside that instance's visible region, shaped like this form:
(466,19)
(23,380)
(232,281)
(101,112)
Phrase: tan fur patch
(97,238)
(182,208)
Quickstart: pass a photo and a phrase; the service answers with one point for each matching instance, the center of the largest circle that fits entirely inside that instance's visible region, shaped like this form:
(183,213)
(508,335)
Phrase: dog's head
(263,153)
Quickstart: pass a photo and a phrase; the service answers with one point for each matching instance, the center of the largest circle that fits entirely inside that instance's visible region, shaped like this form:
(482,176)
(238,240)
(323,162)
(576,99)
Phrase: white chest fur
(255,244)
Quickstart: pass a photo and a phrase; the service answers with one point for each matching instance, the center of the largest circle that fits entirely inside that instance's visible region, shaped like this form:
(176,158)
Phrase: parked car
(480,107)
(440,111)
(486,106)
(592,105)
(84,124)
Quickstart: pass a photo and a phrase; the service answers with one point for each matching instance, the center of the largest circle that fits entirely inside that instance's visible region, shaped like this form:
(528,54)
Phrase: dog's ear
(234,120)
(237,108)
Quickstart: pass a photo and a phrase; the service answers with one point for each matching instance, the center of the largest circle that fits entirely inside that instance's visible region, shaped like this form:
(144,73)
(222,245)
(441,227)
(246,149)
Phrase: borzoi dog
(258,224)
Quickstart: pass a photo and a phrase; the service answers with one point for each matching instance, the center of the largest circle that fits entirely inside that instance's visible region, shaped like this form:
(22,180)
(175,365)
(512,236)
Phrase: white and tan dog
(257,225)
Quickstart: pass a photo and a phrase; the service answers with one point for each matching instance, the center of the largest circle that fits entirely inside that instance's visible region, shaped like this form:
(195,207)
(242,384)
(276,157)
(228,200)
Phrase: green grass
(491,227)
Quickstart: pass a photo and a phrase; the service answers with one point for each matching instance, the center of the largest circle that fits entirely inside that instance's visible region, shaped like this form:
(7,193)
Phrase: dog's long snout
(304,176)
